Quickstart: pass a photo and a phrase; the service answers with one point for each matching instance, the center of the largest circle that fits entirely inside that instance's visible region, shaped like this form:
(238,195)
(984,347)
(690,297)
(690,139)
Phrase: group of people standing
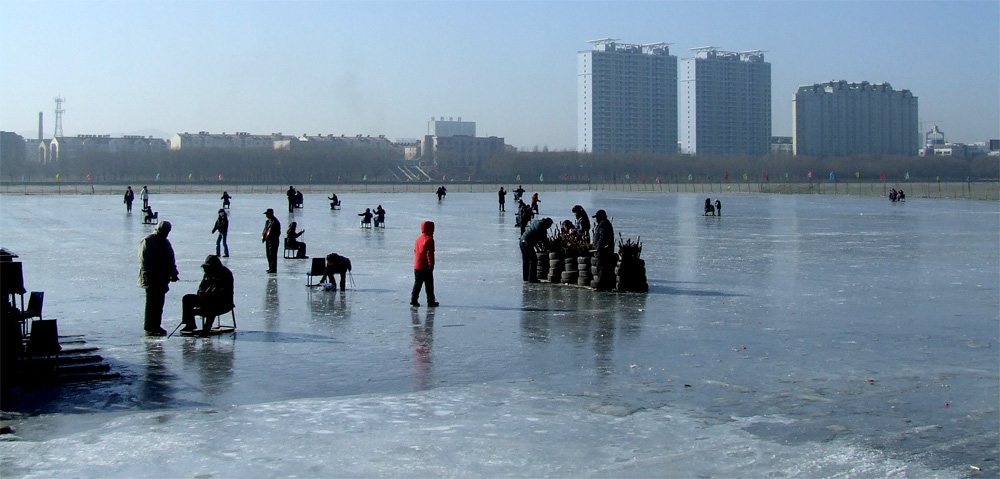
(535,234)
(130,197)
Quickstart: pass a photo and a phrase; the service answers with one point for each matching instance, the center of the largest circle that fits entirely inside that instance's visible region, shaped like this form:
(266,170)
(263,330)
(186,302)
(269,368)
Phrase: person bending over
(336,264)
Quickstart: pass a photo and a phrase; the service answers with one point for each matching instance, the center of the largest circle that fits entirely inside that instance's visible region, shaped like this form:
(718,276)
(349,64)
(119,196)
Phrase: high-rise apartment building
(725,103)
(627,98)
(842,119)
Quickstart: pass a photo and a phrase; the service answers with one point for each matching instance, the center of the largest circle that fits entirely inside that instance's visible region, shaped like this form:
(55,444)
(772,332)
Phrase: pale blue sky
(387,67)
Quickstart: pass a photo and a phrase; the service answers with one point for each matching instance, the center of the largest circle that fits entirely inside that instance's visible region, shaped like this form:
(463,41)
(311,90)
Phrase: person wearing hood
(215,296)
(604,244)
(423,264)
(157,270)
(536,233)
(379,217)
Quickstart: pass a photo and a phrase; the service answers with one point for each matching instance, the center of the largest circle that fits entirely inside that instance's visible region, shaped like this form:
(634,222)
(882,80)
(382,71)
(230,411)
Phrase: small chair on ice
(207,321)
(290,252)
(151,217)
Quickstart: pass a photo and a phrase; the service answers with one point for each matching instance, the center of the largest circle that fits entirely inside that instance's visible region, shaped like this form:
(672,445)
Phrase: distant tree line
(356,165)
(577,167)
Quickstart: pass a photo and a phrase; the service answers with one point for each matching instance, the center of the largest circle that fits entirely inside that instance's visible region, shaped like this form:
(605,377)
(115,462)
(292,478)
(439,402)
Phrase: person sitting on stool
(366,218)
(293,242)
(215,296)
(336,264)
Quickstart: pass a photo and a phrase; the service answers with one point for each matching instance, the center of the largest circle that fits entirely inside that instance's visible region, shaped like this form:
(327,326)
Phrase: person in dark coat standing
(222,226)
(225,200)
(536,233)
(157,270)
(582,222)
(503,198)
(271,237)
(423,264)
(718,207)
(291,198)
(604,244)
(214,297)
(129,198)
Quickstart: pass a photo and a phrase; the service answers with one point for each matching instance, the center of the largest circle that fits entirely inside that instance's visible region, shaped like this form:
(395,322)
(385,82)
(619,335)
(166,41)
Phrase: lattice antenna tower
(59,112)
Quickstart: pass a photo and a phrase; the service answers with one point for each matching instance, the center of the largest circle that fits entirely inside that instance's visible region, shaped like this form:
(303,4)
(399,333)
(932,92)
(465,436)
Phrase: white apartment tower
(725,103)
(843,119)
(627,98)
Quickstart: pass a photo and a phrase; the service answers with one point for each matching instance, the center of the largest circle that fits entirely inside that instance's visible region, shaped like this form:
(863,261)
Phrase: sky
(387,67)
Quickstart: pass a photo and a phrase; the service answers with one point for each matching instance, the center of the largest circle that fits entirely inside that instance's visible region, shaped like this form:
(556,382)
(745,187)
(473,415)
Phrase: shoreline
(979,190)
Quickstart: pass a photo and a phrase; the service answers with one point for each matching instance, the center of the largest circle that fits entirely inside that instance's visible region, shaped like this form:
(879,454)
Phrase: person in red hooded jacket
(423,264)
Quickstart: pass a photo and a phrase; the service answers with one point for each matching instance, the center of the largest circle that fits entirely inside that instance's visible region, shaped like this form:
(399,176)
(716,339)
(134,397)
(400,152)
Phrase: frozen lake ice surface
(795,336)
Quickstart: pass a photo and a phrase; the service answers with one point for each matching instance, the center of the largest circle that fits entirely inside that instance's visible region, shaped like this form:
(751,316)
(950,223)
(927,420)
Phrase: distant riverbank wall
(974,190)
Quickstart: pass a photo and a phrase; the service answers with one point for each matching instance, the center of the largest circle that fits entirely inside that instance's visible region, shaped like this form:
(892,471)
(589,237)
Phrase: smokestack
(39,126)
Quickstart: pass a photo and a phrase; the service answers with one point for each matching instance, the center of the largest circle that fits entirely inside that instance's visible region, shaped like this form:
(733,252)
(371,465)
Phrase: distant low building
(936,145)
(68,147)
(449,151)
(782,145)
(327,143)
(238,140)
